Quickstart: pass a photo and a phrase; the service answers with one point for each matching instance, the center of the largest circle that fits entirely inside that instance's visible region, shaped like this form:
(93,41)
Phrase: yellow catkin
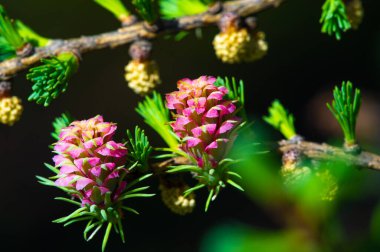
(294,172)
(10,110)
(142,77)
(173,198)
(327,181)
(355,13)
(330,185)
(292,176)
(236,46)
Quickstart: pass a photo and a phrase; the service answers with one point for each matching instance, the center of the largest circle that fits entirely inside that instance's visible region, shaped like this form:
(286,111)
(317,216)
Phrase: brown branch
(130,33)
(162,167)
(331,153)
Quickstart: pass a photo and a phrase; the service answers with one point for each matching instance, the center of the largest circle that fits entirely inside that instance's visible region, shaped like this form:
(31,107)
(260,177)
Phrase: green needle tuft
(147,9)
(30,36)
(171,9)
(116,7)
(281,120)
(10,39)
(156,115)
(345,108)
(51,78)
(334,18)
(61,122)
(139,148)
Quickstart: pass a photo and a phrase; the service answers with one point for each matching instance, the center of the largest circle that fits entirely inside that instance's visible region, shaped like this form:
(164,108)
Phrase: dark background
(300,69)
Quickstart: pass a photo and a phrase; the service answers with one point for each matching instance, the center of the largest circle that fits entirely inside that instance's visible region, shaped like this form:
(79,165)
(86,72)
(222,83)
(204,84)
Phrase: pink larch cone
(89,161)
(204,120)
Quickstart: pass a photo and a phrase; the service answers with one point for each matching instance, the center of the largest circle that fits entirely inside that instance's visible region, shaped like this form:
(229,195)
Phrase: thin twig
(330,153)
(130,33)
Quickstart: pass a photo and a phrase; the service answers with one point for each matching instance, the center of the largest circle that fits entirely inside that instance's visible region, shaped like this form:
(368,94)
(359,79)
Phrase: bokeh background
(301,68)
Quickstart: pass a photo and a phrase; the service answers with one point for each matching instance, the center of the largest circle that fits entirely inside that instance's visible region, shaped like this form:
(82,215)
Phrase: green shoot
(171,9)
(146,9)
(29,35)
(116,7)
(334,18)
(61,122)
(139,148)
(9,32)
(281,120)
(345,108)
(156,115)
(51,78)
(6,50)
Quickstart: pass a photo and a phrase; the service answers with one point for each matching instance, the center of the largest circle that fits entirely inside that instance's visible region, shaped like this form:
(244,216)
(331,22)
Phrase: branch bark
(330,153)
(130,33)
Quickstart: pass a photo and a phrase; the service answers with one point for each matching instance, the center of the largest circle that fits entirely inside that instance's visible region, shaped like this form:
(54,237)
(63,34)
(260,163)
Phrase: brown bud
(128,20)
(140,50)
(290,159)
(229,21)
(5,89)
(250,23)
(215,7)
(25,51)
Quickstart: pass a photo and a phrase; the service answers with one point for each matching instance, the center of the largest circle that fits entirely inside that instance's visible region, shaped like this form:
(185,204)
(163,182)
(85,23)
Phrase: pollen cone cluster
(10,110)
(294,172)
(204,119)
(90,163)
(142,76)
(355,13)
(142,73)
(173,198)
(238,45)
(330,186)
(291,170)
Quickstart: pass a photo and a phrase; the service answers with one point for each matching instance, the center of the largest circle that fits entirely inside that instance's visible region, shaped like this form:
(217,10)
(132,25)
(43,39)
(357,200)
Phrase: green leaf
(192,189)
(51,78)
(6,50)
(77,220)
(120,226)
(51,168)
(106,236)
(29,35)
(134,182)
(45,181)
(136,195)
(235,88)
(156,115)
(89,227)
(139,189)
(146,9)
(234,184)
(116,7)
(334,18)
(345,108)
(9,33)
(59,123)
(210,196)
(183,168)
(234,174)
(70,216)
(95,231)
(235,93)
(171,9)
(68,200)
(281,120)
(139,148)
(130,210)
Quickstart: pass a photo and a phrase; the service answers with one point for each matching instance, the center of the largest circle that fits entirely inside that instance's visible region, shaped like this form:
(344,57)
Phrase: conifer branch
(132,32)
(327,152)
